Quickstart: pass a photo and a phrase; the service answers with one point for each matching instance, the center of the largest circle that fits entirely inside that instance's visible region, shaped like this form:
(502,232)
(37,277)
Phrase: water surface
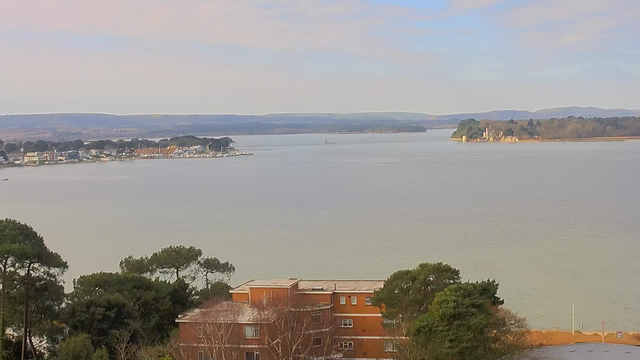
(555,223)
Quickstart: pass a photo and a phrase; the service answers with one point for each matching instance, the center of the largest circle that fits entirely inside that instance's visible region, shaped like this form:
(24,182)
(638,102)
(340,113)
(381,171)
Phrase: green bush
(76,348)
(101,354)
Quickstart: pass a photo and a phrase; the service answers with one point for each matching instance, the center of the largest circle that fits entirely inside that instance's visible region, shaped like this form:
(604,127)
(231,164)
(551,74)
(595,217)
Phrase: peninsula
(43,152)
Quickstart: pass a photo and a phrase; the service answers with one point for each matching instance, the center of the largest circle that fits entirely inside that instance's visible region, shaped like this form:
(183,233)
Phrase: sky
(265,56)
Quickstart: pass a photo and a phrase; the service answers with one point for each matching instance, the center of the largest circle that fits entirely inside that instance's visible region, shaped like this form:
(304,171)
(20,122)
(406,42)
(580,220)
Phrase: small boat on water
(5,179)
(329,142)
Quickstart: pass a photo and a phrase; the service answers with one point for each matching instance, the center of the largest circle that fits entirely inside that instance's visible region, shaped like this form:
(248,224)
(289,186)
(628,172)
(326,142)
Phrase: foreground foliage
(76,348)
(126,315)
(462,323)
(29,271)
(435,316)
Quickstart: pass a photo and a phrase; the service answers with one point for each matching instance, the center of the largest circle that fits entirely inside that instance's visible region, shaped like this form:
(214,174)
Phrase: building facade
(289,319)
(33,157)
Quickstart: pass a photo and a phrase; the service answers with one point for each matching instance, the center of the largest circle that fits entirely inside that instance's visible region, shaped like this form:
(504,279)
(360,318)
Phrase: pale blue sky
(260,56)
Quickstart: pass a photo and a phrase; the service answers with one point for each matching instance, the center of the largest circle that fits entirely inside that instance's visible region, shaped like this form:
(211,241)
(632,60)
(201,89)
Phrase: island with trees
(567,129)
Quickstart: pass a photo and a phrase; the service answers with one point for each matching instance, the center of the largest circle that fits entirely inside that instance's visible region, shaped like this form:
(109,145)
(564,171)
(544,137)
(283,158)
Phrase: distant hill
(90,126)
(586,112)
(557,112)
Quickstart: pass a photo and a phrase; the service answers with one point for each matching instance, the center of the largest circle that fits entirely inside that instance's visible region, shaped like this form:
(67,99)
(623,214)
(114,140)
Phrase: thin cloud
(539,12)
(573,24)
(256,56)
(474,4)
(347,26)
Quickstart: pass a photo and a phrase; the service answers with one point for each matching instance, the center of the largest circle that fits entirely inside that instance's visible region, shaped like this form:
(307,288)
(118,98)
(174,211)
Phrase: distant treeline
(395,129)
(64,127)
(180,141)
(566,128)
(257,128)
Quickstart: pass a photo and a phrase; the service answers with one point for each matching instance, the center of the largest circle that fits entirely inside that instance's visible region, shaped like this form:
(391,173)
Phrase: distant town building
(489,134)
(50,156)
(16,157)
(146,152)
(33,157)
(72,155)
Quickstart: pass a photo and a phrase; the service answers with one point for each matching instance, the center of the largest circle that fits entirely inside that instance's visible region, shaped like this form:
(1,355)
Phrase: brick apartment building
(289,319)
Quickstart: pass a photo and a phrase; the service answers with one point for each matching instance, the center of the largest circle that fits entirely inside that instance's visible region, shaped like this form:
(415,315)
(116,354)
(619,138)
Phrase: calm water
(554,223)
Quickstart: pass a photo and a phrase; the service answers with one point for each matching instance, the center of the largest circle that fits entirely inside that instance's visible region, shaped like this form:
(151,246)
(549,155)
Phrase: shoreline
(94,161)
(591,139)
(564,337)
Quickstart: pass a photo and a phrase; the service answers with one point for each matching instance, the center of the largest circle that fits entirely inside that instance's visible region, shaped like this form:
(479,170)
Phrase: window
(343,300)
(354,300)
(391,346)
(368,300)
(316,318)
(346,323)
(251,332)
(346,345)
(251,355)
(200,355)
(317,341)
(200,331)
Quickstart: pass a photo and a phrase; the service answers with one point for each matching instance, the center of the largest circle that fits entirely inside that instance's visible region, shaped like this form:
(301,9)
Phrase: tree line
(108,315)
(565,128)
(120,145)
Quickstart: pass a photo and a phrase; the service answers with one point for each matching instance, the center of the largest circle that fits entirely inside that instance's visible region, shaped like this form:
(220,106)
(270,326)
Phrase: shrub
(101,354)
(76,348)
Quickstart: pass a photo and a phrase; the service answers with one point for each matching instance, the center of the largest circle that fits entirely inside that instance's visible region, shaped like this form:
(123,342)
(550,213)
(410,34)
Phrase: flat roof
(277,283)
(340,285)
(228,312)
(272,282)
(314,285)
(587,351)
